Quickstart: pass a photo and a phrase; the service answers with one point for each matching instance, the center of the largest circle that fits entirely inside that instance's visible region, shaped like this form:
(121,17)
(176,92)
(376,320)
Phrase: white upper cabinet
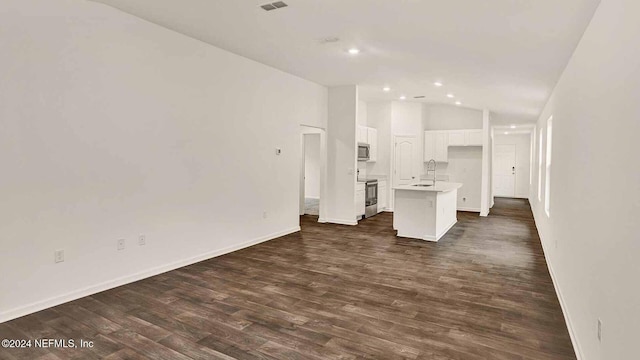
(367,135)
(429,145)
(436,143)
(362,134)
(436,146)
(372,140)
(442,147)
(456,138)
(473,137)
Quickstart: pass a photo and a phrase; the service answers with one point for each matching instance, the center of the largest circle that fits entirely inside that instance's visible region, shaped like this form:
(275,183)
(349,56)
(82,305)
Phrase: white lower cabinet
(382,195)
(360,200)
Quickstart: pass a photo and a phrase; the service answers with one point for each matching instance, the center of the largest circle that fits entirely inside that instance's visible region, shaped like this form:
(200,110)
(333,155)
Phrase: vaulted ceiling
(504,55)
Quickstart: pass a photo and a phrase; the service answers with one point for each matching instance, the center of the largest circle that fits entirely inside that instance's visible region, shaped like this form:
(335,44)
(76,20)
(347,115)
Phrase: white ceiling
(504,55)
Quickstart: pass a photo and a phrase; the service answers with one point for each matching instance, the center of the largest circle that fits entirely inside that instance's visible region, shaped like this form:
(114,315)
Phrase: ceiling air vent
(273,6)
(419,97)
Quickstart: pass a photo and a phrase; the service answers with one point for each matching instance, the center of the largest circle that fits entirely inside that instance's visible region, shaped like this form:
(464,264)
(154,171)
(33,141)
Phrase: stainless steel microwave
(363,152)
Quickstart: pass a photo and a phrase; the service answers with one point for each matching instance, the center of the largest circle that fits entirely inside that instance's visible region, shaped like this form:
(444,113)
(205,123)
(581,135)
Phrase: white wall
(591,238)
(465,166)
(447,117)
(341,155)
(362,113)
(379,117)
(111,126)
(522,144)
(312,166)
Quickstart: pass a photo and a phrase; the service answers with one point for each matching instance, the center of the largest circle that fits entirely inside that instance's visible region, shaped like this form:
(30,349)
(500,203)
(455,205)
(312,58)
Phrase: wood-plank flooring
(331,292)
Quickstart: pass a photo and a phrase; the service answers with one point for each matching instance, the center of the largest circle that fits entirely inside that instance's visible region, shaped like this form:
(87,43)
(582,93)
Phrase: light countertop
(378,177)
(441,186)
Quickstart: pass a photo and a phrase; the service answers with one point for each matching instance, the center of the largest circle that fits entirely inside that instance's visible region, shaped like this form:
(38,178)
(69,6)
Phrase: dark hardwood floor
(331,292)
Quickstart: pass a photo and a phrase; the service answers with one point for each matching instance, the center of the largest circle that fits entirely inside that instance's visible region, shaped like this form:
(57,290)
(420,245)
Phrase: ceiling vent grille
(419,97)
(274,6)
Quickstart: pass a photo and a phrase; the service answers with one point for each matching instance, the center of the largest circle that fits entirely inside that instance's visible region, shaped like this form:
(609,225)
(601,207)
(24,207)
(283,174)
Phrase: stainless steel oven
(363,152)
(371,198)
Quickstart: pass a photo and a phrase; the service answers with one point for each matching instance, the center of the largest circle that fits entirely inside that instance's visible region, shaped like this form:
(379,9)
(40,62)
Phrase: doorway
(404,160)
(313,160)
(405,157)
(511,173)
(504,170)
(311,175)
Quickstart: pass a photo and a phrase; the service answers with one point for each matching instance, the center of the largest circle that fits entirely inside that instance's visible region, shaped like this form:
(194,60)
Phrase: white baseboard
(429,237)
(469,209)
(563,306)
(441,234)
(338,221)
(93,289)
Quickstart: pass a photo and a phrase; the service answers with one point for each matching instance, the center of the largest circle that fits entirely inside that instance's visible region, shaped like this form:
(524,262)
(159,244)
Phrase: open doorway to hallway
(312,171)
(512,162)
(311,168)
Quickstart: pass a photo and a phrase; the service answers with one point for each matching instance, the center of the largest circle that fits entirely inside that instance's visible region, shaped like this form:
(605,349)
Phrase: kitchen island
(425,211)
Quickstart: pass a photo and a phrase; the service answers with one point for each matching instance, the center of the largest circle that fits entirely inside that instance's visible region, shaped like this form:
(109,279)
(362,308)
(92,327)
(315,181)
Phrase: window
(547,182)
(532,155)
(540,166)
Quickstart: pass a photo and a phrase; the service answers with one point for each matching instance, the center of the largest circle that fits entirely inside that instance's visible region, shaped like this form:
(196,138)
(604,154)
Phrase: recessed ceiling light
(513,126)
(386,89)
(458,103)
(403,97)
(450,96)
(354,51)
(437,83)
(506,133)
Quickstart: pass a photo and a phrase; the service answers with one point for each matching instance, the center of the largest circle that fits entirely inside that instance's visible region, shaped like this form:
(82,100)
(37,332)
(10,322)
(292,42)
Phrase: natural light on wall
(540,166)
(547,182)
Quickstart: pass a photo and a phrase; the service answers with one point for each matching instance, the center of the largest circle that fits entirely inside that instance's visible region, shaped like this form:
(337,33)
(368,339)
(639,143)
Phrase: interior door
(504,170)
(405,157)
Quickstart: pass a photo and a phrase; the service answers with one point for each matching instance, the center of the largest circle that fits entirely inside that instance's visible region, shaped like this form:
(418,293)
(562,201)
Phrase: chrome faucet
(432,168)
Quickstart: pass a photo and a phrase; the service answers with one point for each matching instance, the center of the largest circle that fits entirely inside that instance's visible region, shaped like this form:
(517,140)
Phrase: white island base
(425,213)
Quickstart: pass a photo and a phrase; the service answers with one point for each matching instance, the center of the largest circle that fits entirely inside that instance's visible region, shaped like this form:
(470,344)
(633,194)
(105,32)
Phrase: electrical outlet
(121,244)
(264,214)
(142,240)
(464,199)
(58,256)
(599,330)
